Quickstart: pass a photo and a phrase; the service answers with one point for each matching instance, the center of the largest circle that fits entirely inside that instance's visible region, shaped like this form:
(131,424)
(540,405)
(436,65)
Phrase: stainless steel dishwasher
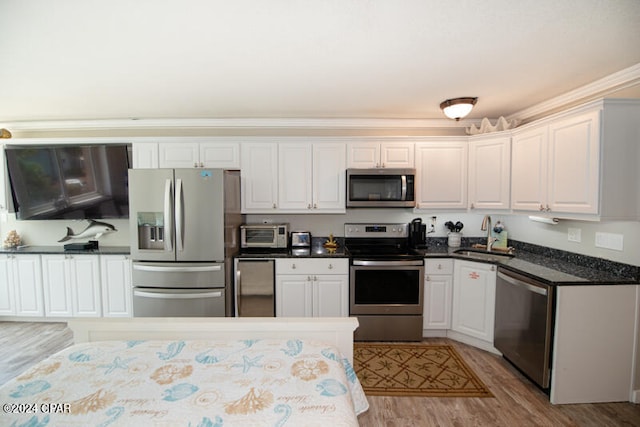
(255,287)
(524,324)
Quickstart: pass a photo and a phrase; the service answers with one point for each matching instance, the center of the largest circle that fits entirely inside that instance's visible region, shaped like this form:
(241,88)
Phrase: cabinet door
(329,177)
(574,168)
(397,155)
(474,294)
(529,170)
(294,296)
(490,173)
(441,168)
(295,177)
(331,296)
(363,155)
(145,155)
(57,286)
(220,155)
(259,166)
(437,301)
(116,286)
(178,155)
(85,285)
(7,299)
(27,278)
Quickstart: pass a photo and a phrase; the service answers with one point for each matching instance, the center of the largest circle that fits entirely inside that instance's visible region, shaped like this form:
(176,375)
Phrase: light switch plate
(574,235)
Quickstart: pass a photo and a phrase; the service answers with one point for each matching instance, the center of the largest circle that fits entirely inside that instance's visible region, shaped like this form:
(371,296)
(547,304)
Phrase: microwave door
(151,214)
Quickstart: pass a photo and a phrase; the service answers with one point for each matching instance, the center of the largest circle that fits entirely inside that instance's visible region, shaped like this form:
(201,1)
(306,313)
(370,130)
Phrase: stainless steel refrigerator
(184,226)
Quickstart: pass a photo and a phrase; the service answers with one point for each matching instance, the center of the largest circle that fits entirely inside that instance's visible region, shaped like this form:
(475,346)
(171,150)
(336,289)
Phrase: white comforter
(187,383)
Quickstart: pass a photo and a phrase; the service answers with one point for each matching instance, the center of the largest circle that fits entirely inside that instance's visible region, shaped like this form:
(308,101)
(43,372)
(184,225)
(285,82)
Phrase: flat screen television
(69,181)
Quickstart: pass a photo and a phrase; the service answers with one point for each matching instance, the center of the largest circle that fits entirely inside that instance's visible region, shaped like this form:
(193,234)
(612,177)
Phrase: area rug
(392,369)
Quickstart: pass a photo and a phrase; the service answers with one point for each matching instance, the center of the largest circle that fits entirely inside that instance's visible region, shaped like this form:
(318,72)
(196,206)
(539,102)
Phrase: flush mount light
(458,108)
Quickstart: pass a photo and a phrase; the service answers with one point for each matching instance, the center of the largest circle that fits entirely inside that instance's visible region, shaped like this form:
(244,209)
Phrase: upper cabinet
(145,155)
(580,164)
(293,177)
(441,169)
(185,154)
(490,172)
(391,154)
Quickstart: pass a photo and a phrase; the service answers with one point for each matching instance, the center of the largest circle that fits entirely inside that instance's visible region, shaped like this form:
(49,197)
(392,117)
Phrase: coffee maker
(417,234)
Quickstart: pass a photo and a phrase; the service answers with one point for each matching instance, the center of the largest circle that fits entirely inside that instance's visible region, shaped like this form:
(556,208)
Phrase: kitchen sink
(483,255)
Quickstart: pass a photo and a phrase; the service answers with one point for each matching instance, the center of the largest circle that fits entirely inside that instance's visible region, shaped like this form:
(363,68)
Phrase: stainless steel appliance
(255,287)
(381,188)
(264,236)
(386,282)
(184,233)
(524,324)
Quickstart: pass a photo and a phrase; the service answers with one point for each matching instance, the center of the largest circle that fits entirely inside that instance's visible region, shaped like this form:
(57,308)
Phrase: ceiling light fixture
(457,108)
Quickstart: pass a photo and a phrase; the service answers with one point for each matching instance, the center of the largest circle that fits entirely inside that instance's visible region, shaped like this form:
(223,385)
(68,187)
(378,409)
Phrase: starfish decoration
(117,363)
(248,363)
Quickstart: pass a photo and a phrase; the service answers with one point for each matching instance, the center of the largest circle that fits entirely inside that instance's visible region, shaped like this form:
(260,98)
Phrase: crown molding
(237,123)
(622,79)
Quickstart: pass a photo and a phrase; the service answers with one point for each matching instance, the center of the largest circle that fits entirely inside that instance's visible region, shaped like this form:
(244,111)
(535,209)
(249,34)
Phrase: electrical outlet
(574,235)
(610,241)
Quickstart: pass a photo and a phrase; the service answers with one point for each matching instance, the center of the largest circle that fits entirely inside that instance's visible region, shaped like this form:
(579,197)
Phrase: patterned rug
(390,369)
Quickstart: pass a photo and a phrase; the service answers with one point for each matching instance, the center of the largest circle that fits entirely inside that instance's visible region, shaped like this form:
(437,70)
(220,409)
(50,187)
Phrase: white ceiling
(395,59)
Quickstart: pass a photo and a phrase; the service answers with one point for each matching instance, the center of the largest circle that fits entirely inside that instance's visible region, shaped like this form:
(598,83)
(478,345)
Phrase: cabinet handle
(472,206)
(201,164)
(315,206)
(274,206)
(308,278)
(541,208)
(428,278)
(548,208)
(439,266)
(493,268)
(293,266)
(195,164)
(330,266)
(309,206)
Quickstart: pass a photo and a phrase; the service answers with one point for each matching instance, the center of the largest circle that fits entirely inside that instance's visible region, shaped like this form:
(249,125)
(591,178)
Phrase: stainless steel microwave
(381,188)
(272,236)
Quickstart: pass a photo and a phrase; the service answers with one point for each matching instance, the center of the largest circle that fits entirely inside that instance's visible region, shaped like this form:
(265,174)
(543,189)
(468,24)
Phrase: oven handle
(386,263)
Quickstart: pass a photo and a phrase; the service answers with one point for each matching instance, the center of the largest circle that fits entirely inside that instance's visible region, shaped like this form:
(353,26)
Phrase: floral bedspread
(187,383)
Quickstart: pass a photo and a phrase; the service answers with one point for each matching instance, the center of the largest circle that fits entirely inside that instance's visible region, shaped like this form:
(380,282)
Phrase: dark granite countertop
(551,266)
(52,250)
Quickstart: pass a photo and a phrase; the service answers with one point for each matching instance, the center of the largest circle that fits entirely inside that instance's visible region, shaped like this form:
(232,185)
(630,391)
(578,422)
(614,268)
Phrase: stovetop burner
(379,241)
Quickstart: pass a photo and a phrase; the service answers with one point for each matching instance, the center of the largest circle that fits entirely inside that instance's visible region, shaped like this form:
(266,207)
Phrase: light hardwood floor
(517,401)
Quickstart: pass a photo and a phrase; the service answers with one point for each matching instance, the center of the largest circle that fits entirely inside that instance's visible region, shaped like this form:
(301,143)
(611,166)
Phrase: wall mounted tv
(69,181)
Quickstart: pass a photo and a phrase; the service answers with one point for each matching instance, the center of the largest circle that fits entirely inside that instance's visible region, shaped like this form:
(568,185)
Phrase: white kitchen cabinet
(441,169)
(259,172)
(474,299)
(145,155)
(579,164)
(312,287)
(71,285)
(311,177)
(295,177)
(115,273)
(199,154)
(373,154)
(490,172)
(438,288)
(21,285)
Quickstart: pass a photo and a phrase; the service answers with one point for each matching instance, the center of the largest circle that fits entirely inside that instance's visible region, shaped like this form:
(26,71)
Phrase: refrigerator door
(255,288)
(151,216)
(199,214)
(150,302)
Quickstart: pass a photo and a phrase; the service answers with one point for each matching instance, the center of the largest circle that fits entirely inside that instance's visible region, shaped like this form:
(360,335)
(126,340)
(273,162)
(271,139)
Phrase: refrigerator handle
(238,292)
(179,216)
(168,216)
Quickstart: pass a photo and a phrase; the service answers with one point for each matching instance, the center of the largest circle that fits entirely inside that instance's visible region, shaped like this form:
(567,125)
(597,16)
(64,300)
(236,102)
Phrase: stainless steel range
(386,282)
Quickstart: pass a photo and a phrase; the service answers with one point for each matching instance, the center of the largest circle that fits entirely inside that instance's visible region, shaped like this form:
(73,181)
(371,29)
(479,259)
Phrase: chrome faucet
(486,226)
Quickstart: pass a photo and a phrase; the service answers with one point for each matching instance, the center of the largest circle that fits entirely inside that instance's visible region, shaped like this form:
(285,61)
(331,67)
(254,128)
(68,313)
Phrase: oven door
(386,287)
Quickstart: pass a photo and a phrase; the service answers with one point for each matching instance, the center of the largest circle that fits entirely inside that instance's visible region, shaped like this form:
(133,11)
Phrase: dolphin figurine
(94,230)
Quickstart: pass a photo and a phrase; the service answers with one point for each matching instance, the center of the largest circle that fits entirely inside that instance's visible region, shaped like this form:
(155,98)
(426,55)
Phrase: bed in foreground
(193,372)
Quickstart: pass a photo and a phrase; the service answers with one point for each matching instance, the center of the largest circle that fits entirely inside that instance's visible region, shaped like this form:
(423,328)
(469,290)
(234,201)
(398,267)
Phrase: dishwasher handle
(538,289)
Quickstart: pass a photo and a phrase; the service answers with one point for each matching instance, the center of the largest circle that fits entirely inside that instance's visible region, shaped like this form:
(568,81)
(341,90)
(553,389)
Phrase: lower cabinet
(71,285)
(312,287)
(474,299)
(438,284)
(21,285)
(115,272)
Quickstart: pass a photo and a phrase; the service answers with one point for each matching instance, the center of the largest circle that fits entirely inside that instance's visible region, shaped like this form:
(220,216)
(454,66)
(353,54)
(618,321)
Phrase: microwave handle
(404,187)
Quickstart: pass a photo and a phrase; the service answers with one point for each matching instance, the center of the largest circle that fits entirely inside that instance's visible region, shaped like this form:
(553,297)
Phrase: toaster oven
(267,236)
